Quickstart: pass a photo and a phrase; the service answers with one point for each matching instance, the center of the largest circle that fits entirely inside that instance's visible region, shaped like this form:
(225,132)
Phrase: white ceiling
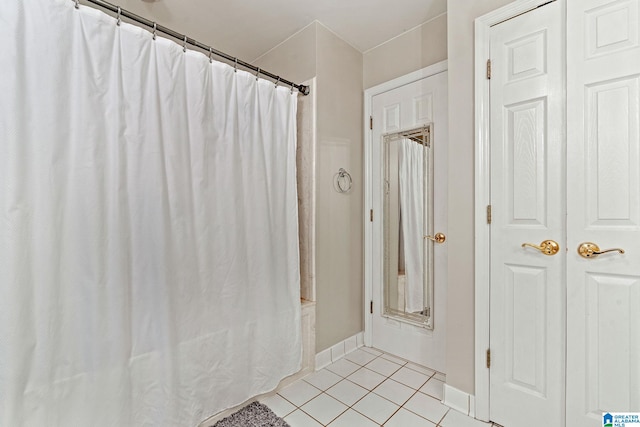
(249,28)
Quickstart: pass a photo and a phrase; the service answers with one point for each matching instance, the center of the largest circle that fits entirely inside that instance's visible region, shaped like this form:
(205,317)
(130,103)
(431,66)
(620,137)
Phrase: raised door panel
(610,27)
(612,349)
(612,186)
(391,114)
(525,168)
(423,108)
(525,320)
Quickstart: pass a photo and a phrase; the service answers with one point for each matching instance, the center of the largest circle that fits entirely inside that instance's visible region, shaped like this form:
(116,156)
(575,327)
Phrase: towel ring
(342,181)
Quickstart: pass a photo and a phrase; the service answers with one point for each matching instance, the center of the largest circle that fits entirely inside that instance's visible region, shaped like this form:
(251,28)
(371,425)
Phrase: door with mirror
(409,199)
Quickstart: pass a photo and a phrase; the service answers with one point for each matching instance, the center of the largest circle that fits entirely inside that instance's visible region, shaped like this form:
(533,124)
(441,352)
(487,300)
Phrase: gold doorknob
(547,247)
(438,238)
(591,250)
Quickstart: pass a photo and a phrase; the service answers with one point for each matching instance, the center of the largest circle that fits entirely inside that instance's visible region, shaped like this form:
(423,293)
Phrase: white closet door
(528,204)
(603,173)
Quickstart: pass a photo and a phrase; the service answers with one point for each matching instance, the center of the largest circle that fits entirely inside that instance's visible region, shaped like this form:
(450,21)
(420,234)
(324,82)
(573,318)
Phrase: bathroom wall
(337,66)
(460,309)
(411,51)
(339,249)
(294,58)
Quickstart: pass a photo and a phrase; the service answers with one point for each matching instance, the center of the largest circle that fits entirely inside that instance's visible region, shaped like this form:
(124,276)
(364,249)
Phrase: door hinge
(371,307)
(371,122)
(488,214)
(488,358)
(371,215)
(488,69)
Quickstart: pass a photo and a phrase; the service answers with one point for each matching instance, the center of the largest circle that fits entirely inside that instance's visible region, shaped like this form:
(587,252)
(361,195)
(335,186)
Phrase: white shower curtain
(411,176)
(148,226)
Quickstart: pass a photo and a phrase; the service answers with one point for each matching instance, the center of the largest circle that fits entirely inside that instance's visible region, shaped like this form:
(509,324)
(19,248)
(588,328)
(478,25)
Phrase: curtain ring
(184,44)
(77,4)
(155,30)
(277,81)
(210,53)
(258,74)
(292,84)
(235,67)
(119,21)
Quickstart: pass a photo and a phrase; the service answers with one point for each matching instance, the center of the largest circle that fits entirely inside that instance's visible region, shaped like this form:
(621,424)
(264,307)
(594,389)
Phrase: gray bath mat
(253,415)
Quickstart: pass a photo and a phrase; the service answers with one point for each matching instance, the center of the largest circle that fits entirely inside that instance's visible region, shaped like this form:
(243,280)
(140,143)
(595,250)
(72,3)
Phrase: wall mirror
(408,226)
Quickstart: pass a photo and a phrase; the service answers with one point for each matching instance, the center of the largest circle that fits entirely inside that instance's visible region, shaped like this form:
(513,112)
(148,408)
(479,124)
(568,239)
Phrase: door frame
(368,176)
(482,246)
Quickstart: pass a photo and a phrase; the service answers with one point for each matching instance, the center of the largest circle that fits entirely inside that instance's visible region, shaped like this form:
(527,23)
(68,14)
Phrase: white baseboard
(459,400)
(338,351)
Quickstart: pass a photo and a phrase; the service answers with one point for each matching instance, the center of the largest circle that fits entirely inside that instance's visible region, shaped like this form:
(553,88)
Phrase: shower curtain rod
(153,25)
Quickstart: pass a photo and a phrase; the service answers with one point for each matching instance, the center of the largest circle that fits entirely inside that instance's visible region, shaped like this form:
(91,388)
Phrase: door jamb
(368,176)
(482,247)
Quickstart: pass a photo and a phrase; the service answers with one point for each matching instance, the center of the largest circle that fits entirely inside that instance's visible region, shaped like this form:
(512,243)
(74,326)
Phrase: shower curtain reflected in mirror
(411,212)
(408,287)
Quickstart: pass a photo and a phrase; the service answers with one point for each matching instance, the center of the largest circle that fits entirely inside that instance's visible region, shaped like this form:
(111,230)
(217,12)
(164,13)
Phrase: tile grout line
(429,377)
(324,392)
(356,402)
(406,409)
(368,392)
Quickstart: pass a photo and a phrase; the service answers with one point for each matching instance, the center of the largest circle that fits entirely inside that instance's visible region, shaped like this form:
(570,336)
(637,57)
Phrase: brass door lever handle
(547,247)
(591,250)
(438,238)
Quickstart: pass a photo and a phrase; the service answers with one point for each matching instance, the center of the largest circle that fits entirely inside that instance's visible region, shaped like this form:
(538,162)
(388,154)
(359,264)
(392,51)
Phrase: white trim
(482,194)
(338,351)
(457,399)
(323,359)
(431,70)
(472,406)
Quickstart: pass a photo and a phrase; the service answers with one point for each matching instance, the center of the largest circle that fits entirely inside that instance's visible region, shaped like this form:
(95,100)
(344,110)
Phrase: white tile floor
(368,388)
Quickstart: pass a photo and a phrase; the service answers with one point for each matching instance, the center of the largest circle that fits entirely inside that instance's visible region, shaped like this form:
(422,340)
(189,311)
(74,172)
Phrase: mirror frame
(421,135)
